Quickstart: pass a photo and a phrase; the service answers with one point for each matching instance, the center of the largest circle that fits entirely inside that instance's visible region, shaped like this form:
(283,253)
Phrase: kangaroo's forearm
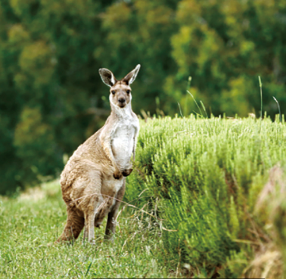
(108,151)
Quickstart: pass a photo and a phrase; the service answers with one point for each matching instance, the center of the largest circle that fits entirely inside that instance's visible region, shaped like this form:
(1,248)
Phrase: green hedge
(203,178)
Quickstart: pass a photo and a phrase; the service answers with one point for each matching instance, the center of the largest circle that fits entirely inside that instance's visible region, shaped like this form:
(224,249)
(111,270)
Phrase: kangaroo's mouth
(121,105)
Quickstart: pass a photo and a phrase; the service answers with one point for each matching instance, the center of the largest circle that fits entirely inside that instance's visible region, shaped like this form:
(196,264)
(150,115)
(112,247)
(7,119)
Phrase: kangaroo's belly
(122,145)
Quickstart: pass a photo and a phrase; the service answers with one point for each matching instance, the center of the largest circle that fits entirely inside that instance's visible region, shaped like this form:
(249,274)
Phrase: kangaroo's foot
(97,224)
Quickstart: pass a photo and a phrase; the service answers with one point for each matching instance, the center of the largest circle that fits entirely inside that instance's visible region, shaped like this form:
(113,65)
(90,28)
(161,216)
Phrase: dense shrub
(203,178)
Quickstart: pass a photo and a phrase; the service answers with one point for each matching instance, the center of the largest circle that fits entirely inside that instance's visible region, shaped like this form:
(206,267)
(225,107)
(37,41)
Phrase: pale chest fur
(123,140)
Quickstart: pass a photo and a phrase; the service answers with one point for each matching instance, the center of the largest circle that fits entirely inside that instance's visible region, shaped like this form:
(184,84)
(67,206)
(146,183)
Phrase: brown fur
(93,180)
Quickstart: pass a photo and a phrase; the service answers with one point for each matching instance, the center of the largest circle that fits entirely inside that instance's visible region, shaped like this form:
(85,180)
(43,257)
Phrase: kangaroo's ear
(132,75)
(107,77)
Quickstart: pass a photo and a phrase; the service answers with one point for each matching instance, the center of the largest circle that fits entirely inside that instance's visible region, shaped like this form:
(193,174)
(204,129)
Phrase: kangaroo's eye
(127,91)
(113,92)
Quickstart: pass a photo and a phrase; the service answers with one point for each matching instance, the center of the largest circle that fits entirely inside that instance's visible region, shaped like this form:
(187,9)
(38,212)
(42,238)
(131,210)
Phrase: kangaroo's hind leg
(103,209)
(89,226)
(73,227)
(90,203)
(111,220)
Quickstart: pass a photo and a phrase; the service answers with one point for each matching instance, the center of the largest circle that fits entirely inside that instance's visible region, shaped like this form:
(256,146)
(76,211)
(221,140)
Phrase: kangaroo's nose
(121,100)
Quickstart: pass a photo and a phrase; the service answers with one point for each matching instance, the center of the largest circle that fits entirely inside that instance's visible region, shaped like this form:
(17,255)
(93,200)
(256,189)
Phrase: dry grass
(268,259)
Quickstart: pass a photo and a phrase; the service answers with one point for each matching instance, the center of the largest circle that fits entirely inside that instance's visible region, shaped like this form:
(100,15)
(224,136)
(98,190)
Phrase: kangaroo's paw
(117,174)
(127,172)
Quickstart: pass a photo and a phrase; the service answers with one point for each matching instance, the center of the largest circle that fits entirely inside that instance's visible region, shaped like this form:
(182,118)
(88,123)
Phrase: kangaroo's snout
(121,100)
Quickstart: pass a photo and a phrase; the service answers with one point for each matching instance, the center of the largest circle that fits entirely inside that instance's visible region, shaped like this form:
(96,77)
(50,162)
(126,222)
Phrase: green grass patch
(31,223)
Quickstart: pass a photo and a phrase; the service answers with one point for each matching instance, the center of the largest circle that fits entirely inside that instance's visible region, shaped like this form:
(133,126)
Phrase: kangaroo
(93,180)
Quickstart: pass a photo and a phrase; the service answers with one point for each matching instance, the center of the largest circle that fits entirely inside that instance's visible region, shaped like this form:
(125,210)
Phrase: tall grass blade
(195,102)
(280,115)
(260,85)
(180,110)
(202,104)
(88,268)
(189,82)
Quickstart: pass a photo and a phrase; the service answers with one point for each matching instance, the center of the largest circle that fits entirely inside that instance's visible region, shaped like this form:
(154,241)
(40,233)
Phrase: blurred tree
(51,96)
(224,46)
(48,77)
(35,146)
(139,32)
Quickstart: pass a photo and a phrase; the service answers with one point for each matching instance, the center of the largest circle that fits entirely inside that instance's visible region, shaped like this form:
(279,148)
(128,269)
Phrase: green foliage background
(51,96)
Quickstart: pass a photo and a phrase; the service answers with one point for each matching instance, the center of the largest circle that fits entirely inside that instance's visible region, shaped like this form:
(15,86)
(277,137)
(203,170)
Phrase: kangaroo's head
(120,90)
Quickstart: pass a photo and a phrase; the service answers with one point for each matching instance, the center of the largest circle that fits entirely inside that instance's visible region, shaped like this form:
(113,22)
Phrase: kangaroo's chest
(123,142)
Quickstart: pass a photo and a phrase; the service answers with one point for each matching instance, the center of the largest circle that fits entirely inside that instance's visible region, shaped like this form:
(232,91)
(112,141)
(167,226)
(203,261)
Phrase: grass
(30,223)
(215,187)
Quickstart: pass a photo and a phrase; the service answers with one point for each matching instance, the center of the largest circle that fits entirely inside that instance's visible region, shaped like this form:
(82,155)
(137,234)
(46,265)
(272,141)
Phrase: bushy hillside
(206,199)
(205,178)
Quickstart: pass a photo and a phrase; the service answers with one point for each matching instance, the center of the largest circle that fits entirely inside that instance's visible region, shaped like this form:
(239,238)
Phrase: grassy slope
(29,223)
(203,177)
